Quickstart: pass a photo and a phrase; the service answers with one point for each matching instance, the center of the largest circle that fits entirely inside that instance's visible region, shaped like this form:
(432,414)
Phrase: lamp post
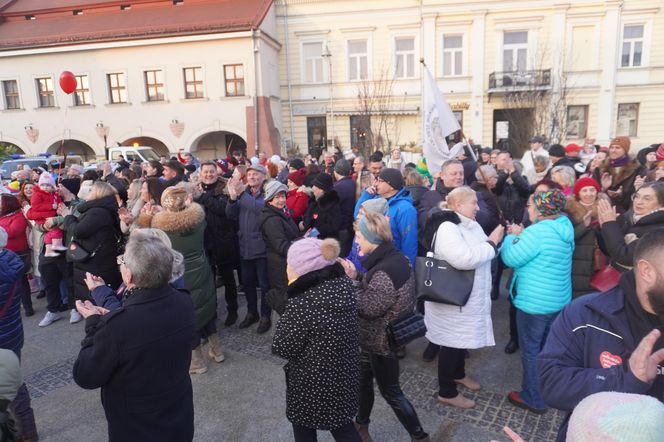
(328,55)
(103,132)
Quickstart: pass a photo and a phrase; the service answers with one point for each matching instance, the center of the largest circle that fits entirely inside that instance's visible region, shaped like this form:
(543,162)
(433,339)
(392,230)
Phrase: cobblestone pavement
(497,372)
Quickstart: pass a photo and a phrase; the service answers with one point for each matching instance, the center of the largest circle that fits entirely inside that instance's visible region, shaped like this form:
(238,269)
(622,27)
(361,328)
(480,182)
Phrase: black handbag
(76,253)
(437,281)
(404,330)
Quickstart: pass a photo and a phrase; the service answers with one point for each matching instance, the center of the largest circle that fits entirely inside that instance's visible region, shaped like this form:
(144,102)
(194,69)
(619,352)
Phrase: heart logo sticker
(607,359)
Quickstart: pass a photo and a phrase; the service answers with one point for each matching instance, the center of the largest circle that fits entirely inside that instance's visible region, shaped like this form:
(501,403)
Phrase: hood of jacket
(563,228)
(328,199)
(179,222)
(402,195)
(312,279)
(432,224)
(106,202)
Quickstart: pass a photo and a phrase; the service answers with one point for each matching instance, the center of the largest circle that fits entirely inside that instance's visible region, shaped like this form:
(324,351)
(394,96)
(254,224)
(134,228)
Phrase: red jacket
(15,225)
(41,205)
(297,202)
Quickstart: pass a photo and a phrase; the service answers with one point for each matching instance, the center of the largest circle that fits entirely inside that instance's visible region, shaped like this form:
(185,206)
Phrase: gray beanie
(272,188)
(342,167)
(376,205)
(3,238)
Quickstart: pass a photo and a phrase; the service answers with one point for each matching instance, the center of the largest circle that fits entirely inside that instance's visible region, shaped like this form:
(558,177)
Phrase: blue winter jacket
(587,351)
(542,260)
(403,221)
(247,208)
(11,325)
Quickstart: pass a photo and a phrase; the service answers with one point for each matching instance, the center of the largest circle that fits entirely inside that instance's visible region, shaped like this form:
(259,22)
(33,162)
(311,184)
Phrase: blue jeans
(533,330)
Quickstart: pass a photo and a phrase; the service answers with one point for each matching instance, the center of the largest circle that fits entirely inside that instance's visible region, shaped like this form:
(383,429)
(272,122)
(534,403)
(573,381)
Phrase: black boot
(264,325)
(230,319)
(249,320)
(430,352)
(512,346)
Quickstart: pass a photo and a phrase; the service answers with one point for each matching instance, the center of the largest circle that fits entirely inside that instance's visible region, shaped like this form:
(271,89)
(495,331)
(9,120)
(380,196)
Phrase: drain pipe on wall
(288,72)
(256,129)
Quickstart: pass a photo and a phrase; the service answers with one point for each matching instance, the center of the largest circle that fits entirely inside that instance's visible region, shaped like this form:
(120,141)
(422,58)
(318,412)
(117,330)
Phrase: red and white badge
(608,359)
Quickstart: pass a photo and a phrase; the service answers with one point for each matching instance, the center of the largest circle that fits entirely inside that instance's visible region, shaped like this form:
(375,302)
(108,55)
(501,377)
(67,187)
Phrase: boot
(56,244)
(197,365)
(214,350)
(363,431)
(469,383)
(50,252)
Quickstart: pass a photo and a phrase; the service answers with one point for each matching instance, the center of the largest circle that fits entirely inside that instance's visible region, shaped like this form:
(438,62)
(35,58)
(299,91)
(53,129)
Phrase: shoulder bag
(437,281)
(605,279)
(77,253)
(405,329)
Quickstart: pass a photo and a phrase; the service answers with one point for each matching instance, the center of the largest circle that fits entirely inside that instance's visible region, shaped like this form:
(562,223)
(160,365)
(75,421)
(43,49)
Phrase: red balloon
(68,82)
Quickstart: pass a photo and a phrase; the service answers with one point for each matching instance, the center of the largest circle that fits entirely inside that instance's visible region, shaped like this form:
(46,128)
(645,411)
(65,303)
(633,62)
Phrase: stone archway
(154,143)
(214,145)
(7,149)
(72,147)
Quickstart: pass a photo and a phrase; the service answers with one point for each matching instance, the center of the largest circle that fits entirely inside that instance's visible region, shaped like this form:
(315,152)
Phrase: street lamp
(328,55)
(103,132)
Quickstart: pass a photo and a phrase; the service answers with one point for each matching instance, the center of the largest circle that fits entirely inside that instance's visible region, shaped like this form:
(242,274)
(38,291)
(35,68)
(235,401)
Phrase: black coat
(324,214)
(345,188)
(279,231)
(490,214)
(430,200)
(221,241)
(319,335)
(139,355)
(96,228)
(512,196)
(416,193)
(585,243)
(619,238)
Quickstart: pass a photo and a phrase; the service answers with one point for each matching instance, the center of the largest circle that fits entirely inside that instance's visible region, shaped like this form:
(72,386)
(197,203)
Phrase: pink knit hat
(311,254)
(46,178)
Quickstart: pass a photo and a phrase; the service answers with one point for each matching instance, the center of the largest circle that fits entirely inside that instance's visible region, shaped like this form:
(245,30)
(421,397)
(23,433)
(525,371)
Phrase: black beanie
(324,182)
(392,177)
(71,184)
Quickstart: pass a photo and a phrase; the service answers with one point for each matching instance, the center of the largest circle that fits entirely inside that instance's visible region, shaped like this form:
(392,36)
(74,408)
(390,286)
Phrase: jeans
(385,369)
(345,433)
(255,270)
(533,330)
(451,366)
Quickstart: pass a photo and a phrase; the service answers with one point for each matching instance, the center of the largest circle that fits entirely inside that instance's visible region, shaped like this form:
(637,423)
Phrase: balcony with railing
(520,80)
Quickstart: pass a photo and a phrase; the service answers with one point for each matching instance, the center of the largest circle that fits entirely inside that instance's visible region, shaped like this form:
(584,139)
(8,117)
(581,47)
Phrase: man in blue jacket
(610,341)
(401,212)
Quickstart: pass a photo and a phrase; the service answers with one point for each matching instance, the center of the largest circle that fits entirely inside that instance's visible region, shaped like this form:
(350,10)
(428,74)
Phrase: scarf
(620,162)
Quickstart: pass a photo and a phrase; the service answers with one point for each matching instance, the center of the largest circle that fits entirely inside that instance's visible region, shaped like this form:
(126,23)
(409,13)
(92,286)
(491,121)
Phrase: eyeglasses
(120,260)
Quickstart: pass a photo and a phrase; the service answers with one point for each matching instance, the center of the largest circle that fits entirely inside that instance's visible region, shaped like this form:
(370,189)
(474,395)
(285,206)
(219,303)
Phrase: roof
(55,23)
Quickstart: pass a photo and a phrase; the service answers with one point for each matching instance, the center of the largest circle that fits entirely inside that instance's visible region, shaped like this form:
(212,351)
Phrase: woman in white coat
(461,242)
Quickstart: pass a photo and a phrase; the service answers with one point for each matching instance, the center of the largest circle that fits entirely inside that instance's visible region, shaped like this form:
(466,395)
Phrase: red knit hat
(585,182)
(572,147)
(298,176)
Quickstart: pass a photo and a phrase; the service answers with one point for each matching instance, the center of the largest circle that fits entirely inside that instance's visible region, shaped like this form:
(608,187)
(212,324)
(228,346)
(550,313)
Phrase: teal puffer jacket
(542,260)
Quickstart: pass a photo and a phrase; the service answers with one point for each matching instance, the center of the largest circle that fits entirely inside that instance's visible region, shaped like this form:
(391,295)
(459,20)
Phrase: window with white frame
(628,118)
(404,57)
(452,55)
(632,46)
(312,62)
(358,60)
(515,51)
(10,91)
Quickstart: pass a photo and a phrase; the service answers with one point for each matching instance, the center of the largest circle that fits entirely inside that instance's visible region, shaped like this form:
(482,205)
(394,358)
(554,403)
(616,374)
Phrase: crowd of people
(140,249)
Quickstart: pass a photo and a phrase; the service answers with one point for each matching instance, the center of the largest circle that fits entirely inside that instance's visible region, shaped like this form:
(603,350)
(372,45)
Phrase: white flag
(438,122)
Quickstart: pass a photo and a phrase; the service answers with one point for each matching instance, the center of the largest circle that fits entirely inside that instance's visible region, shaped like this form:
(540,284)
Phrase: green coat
(185,230)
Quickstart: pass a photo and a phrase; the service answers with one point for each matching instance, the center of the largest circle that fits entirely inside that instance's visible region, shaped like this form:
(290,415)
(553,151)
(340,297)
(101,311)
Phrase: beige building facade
(351,76)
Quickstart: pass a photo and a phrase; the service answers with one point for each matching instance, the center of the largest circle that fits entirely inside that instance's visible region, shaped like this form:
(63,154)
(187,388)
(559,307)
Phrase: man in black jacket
(451,177)
(221,242)
(139,354)
(345,187)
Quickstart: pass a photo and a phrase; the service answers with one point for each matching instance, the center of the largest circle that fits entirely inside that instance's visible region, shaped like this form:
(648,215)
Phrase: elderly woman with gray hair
(140,357)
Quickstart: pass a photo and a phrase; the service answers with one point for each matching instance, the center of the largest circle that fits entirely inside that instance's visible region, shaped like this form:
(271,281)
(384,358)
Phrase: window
(154,85)
(10,90)
(117,89)
(82,92)
(316,135)
(193,82)
(312,55)
(452,55)
(577,122)
(234,78)
(628,117)
(404,55)
(515,51)
(360,125)
(358,60)
(632,47)
(45,90)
